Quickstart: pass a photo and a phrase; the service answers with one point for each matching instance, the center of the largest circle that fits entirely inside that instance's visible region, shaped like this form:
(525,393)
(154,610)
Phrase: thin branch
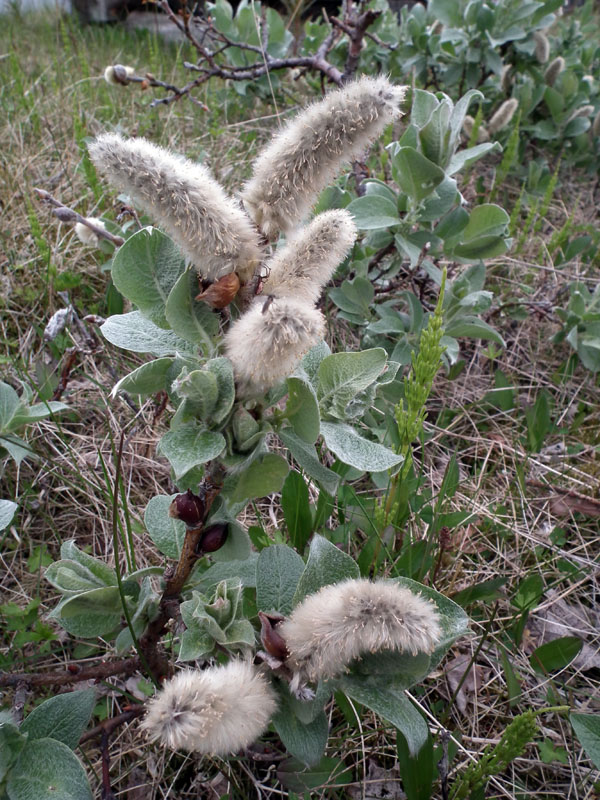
(73,674)
(108,726)
(66,214)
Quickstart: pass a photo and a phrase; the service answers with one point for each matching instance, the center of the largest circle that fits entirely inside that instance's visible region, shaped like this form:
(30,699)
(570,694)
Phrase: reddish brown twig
(71,354)
(175,580)
(122,667)
(108,726)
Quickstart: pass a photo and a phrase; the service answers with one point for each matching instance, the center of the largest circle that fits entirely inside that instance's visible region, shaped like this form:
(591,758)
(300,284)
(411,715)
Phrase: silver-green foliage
(37,761)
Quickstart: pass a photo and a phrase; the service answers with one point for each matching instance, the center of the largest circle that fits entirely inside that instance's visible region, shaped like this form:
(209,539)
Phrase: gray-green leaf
(64,717)
(48,770)
(354,450)
(326,565)
(145,269)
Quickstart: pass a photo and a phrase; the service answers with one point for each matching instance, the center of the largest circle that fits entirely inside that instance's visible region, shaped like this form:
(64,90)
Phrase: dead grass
(50,86)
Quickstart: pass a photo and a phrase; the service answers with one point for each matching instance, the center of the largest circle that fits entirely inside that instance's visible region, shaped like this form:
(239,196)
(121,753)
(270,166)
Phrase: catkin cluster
(222,239)
(339,623)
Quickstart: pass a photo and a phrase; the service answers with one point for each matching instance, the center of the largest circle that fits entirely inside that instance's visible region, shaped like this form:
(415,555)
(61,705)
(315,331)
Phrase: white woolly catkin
(553,70)
(304,158)
(337,624)
(503,116)
(267,342)
(86,235)
(218,710)
(185,200)
(542,47)
(305,264)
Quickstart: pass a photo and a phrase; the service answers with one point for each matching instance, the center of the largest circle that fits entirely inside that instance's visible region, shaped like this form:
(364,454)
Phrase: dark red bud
(189,508)
(272,641)
(213,538)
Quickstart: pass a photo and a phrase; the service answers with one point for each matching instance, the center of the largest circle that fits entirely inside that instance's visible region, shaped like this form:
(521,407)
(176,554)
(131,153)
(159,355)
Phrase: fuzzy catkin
(553,70)
(213,232)
(86,235)
(309,259)
(215,711)
(503,116)
(305,157)
(542,47)
(337,624)
(267,342)
(596,125)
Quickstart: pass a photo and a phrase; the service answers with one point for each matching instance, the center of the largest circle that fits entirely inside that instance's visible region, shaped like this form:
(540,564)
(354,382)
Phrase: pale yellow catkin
(306,155)
(183,198)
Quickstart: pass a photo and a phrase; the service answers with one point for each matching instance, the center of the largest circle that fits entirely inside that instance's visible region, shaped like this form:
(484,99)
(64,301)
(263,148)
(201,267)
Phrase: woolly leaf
(9,405)
(166,533)
(100,569)
(311,361)
(372,212)
(191,319)
(392,704)
(416,175)
(343,375)
(189,446)
(355,451)
(306,456)
(7,512)
(145,269)
(587,729)
(11,744)
(453,620)
(465,158)
(63,717)
(16,448)
(90,614)
(264,476)
(244,570)
(278,571)
(326,564)
(306,742)
(296,509)
(147,379)
(35,413)
(222,369)
(302,408)
(134,332)
(48,770)
(71,578)
(200,388)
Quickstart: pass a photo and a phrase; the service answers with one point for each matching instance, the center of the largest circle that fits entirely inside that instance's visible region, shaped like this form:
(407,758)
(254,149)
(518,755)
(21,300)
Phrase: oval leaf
(355,451)
(278,571)
(326,564)
(134,332)
(64,717)
(145,269)
(48,770)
